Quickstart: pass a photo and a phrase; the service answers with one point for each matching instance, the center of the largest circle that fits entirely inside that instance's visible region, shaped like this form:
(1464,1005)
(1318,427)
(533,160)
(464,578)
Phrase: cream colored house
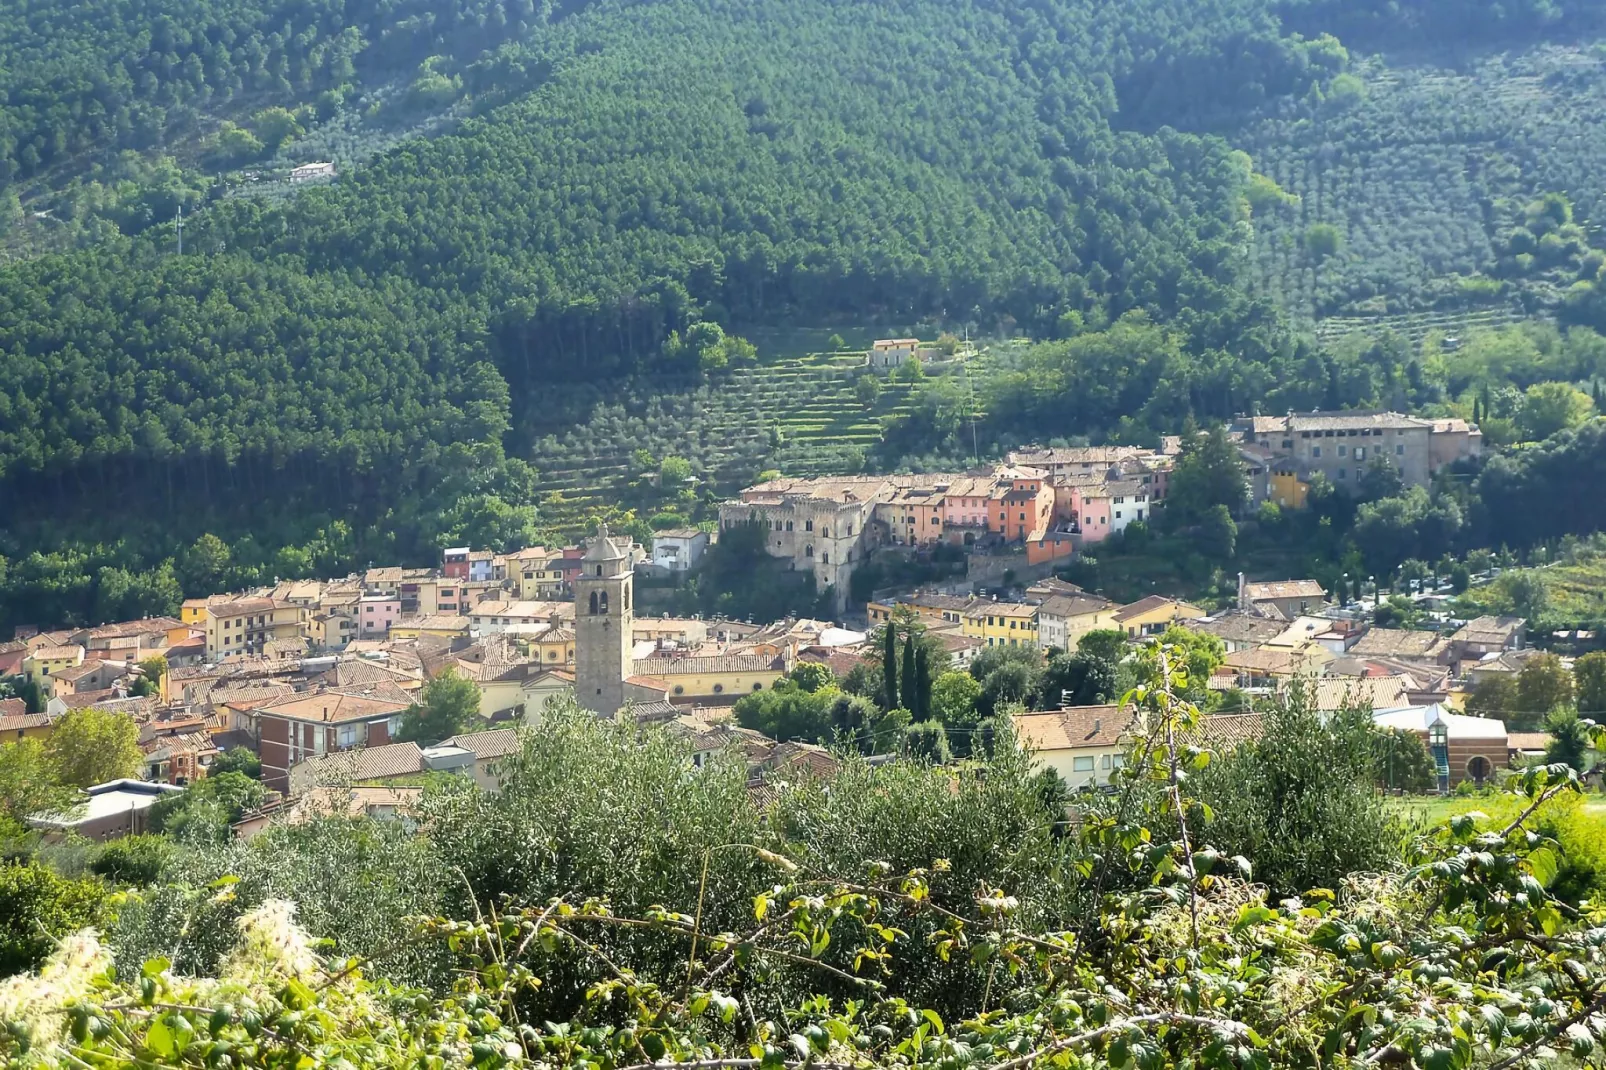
(1085,745)
(1063,619)
(243,626)
(1153,615)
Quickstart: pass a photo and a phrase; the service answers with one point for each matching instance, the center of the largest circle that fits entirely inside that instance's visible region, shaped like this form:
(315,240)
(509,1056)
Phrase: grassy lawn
(1425,811)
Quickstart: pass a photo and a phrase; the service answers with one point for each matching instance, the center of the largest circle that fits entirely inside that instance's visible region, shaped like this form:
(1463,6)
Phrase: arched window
(593,603)
(808,551)
(599,570)
(605,601)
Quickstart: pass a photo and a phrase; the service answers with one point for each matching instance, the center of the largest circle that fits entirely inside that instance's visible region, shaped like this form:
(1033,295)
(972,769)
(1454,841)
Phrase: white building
(679,549)
(893,352)
(307,172)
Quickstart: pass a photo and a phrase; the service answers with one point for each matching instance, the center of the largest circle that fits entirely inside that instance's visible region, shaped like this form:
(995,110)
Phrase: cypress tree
(889,665)
(922,709)
(910,678)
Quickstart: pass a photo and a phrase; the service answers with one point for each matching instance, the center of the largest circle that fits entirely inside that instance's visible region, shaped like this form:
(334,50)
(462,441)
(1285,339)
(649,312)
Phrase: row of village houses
(317,719)
(1054,501)
(295,708)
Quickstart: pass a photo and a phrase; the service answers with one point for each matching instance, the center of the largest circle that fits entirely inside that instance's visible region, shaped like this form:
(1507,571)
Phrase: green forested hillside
(81,78)
(683,160)
(362,370)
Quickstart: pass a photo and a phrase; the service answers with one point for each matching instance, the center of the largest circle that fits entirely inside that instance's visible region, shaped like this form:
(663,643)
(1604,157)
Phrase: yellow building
(947,608)
(244,626)
(1002,624)
(538,578)
(45,661)
(193,610)
(1288,489)
(717,681)
(331,630)
(554,649)
(17,723)
(1153,615)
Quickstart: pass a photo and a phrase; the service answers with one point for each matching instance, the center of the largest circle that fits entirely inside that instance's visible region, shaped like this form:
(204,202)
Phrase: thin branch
(1562,1026)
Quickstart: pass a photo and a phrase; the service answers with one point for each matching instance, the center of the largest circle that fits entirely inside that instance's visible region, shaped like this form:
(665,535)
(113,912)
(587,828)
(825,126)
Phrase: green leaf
(932,1017)
(159,1040)
(1542,864)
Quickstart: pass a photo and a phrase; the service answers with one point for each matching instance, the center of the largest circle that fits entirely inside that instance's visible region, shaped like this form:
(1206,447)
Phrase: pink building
(376,613)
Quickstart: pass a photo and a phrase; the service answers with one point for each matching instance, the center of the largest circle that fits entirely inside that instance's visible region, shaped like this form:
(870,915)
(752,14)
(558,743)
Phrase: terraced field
(1418,326)
(799,415)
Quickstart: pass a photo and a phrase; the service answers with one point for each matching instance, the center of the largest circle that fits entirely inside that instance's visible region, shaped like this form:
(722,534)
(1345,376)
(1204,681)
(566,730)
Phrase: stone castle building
(603,625)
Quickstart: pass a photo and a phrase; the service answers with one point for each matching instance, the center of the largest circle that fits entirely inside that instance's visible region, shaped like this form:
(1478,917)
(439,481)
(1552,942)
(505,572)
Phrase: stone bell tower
(603,633)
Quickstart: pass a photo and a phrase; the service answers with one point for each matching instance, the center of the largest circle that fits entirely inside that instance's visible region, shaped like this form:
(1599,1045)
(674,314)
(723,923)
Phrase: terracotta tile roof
(1260,592)
(250,696)
(1261,659)
(1396,643)
(1343,421)
(14,716)
(806,758)
(364,763)
(1073,605)
(652,712)
(1230,730)
(1144,605)
(358,672)
(1238,628)
(135,628)
(1489,630)
(1072,728)
(1378,692)
(492,744)
(1528,741)
(242,607)
(186,743)
(57,653)
(840,662)
(337,705)
(726,663)
(81,670)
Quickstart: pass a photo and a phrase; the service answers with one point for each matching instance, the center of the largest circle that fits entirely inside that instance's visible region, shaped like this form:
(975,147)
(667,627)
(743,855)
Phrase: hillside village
(315,677)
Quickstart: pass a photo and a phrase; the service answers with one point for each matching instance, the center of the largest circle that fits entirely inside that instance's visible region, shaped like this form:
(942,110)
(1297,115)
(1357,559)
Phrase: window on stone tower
(599,570)
(627,596)
(808,551)
(593,603)
(604,601)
